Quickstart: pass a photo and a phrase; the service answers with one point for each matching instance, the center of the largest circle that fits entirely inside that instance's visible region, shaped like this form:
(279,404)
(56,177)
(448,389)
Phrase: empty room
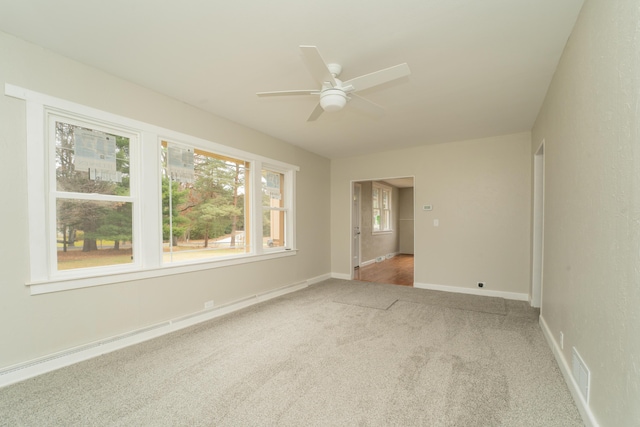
(410,213)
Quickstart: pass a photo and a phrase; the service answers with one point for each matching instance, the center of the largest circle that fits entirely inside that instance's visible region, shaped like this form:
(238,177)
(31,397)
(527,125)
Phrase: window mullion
(256,212)
(149,230)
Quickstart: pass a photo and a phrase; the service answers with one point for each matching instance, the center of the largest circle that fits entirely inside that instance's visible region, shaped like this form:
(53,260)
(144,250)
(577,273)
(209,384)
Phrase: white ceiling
(479,68)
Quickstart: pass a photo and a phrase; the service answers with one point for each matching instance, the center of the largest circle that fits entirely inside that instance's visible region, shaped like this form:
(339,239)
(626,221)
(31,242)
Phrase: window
(91,195)
(112,199)
(274,209)
(204,204)
(381,207)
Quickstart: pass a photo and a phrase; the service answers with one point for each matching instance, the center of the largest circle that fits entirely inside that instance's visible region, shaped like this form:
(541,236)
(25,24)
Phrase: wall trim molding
(483,292)
(319,279)
(341,276)
(25,370)
(587,415)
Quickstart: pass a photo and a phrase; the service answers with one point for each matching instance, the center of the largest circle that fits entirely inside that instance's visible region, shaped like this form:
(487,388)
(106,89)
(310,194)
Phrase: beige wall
(481,193)
(590,122)
(33,326)
(375,245)
(406,216)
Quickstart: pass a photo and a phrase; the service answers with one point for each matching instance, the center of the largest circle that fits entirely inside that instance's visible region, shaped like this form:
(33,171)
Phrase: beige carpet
(317,358)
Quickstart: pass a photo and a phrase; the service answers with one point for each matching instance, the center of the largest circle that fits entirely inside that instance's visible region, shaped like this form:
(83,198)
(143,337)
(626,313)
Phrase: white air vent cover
(581,374)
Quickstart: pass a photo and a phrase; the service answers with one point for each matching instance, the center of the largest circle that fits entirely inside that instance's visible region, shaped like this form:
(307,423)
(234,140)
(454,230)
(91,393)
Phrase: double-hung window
(381,203)
(112,199)
(275,209)
(91,201)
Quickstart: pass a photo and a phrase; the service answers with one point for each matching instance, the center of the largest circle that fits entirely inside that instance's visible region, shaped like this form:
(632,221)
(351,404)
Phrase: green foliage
(95,219)
(209,207)
(178,197)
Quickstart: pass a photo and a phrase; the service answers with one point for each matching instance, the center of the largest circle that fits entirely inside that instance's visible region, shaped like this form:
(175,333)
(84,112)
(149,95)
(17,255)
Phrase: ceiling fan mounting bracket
(334,69)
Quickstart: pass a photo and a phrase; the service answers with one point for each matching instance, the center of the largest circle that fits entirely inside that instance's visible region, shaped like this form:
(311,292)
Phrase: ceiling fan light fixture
(333,100)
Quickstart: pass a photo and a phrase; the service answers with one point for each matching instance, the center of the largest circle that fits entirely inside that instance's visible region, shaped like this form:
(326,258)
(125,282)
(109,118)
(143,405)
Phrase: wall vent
(581,374)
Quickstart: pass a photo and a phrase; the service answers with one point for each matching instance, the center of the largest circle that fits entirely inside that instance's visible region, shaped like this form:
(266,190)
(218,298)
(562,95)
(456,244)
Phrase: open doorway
(382,231)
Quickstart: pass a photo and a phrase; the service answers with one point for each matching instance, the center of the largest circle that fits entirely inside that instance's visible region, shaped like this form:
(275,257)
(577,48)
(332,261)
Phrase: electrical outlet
(561,341)
(208,305)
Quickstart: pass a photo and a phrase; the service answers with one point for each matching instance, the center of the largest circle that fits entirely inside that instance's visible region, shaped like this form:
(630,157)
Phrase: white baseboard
(41,365)
(484,292)
(340,276)
(583,407)
(373,261)
(318,279)
(369,262)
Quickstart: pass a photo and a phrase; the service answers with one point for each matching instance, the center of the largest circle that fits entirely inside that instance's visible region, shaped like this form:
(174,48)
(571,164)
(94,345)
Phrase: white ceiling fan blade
(364,105)
(289,92)
(316,113)
(316,65)
(379,77)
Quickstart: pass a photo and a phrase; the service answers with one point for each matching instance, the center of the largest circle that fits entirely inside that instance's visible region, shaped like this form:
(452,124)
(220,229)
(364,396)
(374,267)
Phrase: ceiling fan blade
(317,66)
(365,106)
(289,92)
(379,77)
(316,113)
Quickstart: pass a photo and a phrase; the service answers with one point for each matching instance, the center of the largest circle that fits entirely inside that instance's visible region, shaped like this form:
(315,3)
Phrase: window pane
(376,198)
(273,229)
(93,233)
(385,199)
(204,215)
(90,161)
(273,219)
(376,220)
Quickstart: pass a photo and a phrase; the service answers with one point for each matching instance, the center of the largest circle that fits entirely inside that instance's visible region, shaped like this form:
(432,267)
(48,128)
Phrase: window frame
(145,188)
(250,197)
(53,194)
(287,191)
(386,214)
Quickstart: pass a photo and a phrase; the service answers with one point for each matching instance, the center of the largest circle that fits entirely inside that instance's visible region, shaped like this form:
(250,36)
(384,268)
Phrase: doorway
(382,231)
(538,228)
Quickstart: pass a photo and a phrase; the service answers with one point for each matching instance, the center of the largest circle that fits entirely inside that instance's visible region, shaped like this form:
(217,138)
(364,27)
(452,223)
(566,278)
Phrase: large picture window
(204,204)
(112,199)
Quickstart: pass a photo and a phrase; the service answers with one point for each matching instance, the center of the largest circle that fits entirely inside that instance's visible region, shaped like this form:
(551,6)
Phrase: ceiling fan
(335,93)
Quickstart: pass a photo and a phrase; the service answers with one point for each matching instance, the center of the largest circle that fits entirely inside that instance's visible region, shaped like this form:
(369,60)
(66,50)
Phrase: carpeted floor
(338,353)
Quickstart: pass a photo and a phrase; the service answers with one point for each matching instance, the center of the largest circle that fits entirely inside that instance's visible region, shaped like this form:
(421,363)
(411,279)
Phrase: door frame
(537,244)
(356,217)
(355,182)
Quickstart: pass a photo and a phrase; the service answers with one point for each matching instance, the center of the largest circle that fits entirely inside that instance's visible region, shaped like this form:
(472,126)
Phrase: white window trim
(149,262)
(382,188)
(288,194)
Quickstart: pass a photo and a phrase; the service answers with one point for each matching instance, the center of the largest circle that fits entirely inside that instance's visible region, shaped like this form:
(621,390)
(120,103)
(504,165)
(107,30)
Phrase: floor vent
(581,374)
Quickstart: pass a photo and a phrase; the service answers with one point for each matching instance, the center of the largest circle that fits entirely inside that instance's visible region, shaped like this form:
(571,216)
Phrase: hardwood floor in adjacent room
(397,271)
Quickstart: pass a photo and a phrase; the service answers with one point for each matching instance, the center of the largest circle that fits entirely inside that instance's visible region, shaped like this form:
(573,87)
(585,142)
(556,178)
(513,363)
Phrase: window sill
(65,284)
